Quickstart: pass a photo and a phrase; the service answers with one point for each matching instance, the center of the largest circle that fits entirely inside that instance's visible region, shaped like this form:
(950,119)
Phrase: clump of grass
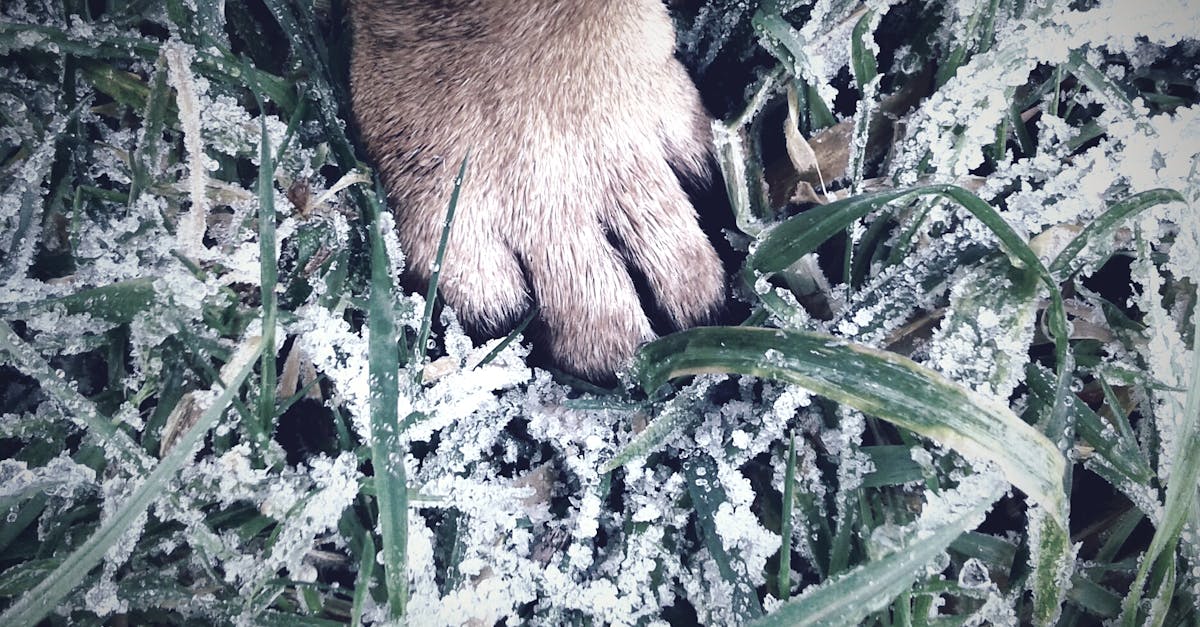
(967,390)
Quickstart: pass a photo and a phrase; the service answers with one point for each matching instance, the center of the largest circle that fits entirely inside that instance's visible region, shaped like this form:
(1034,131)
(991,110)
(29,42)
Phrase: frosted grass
(1044,149)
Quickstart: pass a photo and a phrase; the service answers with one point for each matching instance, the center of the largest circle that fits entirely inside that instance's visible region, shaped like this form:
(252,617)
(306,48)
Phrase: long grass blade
(678,412)
(420,347)
(1128,465)
(362,582)
(82,410)
(510,338)
(35,605)
(787,242)
(850,598)
(862,56)
(1068,261)
(387,450)
(268,276)
(878,383)
(707,496)
(142,159)
(784,590)
(1180,498)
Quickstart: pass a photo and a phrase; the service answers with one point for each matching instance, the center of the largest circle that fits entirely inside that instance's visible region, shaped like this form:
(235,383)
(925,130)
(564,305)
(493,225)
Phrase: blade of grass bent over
(878,383)
(788,241)
(1068,262)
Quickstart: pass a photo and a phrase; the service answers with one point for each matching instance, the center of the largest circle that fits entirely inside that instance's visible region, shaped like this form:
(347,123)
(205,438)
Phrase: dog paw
(580,124)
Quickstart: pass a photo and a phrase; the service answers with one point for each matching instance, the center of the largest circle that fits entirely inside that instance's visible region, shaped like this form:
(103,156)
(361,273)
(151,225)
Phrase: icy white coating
(341,354)
(60,477)
(1171,359)
(513,456)
(188,92)
(311,514)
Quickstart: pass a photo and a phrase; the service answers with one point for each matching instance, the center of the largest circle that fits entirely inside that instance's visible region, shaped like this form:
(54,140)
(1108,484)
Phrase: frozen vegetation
(968,389)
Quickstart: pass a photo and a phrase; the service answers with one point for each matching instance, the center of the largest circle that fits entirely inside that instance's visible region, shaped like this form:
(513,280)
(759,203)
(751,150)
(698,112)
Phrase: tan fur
(574,113)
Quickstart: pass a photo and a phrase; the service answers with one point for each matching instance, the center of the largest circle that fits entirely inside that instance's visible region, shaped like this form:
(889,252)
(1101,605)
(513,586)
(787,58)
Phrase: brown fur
(575,114)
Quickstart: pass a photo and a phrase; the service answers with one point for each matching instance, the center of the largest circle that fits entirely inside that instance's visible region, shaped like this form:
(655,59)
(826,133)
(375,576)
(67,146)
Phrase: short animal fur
(579,121)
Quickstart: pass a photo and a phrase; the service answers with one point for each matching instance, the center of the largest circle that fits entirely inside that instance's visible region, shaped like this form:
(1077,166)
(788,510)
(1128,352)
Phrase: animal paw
(580,123)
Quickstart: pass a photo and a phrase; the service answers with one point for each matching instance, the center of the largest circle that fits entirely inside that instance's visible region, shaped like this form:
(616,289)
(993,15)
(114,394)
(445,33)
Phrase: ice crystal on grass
(1166,352)
(334,486)
(102,600)
(59,477)
(739,528)
(340,354)
(20,209)
(188,92)
(514,515)
(986,334)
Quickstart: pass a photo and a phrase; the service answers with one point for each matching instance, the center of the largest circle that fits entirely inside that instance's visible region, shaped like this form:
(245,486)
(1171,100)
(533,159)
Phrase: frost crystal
(511,517)
(974,575)
(188,92)
(61,477)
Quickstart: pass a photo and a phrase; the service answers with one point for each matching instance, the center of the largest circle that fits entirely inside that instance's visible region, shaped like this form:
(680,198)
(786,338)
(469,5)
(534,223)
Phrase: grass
(967,390)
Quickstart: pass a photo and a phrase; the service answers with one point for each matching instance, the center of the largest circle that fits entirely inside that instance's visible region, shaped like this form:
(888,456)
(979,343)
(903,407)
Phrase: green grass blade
(893,464)
(1117,453)
(19,518)
(678,412)
(1162,581)
(145,156)
(788,241)
(14,36)
(82,410)
(1053,560)
(39,602)
(878,383)
(996,552)
(116,303)
(121,86)
(848,521)
(1069,262)
(741,167)
(1052,553)
(987,27)
(419,348)
(510,338)
(785,528)
(978,34)
(387,450)
(362,582)
(312,56)
(862,59)
(19,579)
(849,598)
(1106,90)
(707,497)
(1181,493)
(785,43)
(269,277)
(1093,597)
